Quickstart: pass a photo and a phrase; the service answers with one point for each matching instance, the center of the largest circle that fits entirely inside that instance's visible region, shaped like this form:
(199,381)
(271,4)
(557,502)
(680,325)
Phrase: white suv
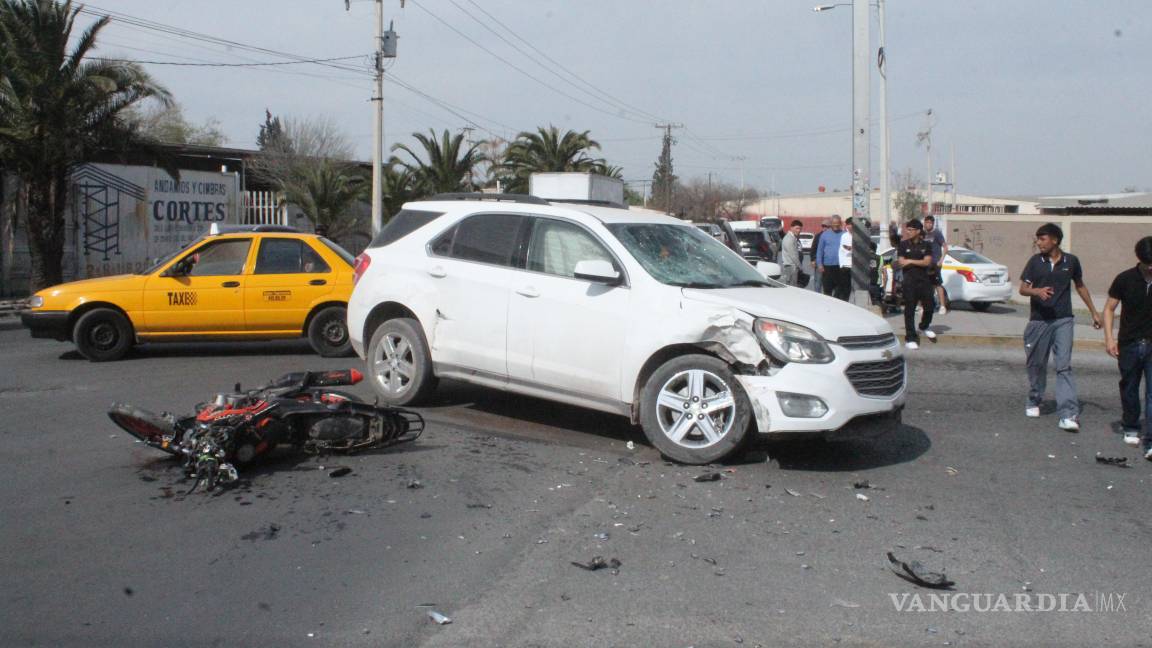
(619,310)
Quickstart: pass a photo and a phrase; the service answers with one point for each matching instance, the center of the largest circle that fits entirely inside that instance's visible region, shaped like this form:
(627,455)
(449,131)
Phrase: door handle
(528,291)
(317,282)
(231,284)
(437,271)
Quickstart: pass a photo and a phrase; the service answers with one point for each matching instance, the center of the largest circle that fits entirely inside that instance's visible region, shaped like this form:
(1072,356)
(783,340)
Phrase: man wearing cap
(914,256)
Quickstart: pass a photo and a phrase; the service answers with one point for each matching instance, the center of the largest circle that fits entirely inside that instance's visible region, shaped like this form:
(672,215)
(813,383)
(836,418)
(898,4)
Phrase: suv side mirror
(769,269)
(599,271)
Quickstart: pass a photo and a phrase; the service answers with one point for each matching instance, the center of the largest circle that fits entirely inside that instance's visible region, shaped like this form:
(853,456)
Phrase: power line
(522,70)
(180,63)
(589,89)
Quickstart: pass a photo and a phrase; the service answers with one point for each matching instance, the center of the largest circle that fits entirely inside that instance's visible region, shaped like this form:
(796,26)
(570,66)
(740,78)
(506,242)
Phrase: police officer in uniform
(914,256)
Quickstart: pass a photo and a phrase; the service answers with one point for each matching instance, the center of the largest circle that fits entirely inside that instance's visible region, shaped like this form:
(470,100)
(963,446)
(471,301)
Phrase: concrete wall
(1103,243)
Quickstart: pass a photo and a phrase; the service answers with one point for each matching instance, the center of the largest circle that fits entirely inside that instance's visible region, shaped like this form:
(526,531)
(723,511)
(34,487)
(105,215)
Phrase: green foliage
(271,134)
(167,124)
(59,108)
(547,151)
(446,166)
(664,181)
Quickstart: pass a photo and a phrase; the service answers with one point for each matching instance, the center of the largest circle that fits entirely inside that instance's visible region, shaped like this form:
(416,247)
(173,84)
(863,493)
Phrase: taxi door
(289,277)
(200,293)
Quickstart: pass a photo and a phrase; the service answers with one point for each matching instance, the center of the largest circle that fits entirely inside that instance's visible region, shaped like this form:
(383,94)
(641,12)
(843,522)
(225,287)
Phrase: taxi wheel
(328,333)
(694,411)
(103,334)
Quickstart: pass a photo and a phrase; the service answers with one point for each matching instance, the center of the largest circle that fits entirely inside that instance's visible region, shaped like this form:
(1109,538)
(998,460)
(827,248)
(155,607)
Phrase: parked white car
(619,310)
(971,277)
(806,239)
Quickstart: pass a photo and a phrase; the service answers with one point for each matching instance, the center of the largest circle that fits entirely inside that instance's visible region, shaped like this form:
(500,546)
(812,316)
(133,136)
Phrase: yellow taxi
(250,282)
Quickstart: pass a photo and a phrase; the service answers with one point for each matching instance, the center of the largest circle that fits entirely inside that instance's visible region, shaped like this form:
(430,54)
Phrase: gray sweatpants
(1044,337)
(788,275)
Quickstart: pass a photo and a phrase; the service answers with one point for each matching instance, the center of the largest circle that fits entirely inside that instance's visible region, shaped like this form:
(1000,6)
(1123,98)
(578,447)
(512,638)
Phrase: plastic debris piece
(600,536)
(1051,456)
(862,485)
(438,618)
(340,472)
(844,604)
(914,572)
(862,497)
(951,471)
(479,506)
(792,492)
(817,495)
(598,563)
(414,484)
(708,477)
(1119,462)
(631,445)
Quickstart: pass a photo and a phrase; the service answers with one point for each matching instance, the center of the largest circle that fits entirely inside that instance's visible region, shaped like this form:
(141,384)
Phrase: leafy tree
(546,151)
(909,201)
(167,124)
(398,188)
(58,110)
(271,132)
(446,165)
(663,179)
(310,164)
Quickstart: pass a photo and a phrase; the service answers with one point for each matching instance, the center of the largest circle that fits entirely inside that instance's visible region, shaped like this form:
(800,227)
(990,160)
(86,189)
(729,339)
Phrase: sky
(1029,97)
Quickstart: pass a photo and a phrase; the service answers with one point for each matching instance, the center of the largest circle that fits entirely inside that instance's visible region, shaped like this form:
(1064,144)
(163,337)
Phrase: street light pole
(885,152)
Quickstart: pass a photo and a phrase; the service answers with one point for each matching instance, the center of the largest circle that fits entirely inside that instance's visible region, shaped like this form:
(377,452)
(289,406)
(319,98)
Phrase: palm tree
(446,167)
(326,191)
(547,150)
(398,188)
(58,110)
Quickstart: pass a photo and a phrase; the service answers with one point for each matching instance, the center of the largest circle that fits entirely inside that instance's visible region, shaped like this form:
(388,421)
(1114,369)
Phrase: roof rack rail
(581,201)
(518,198)
(217,228)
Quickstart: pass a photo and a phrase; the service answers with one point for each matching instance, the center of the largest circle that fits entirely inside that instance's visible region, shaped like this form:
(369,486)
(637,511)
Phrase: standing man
(939,248)
(790,254)
(817,279)
(914,256)
(1048,280)
(836,280)
(1132,290)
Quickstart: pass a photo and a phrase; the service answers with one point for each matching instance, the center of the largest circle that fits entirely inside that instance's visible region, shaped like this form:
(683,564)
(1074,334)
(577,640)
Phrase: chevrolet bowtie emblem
(886,354)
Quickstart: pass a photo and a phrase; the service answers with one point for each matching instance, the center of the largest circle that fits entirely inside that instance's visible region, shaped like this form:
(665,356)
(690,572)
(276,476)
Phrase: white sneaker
(1032,411)
(943,310)
(1148,454)
(931,335)
(1132,437)
(912,345)
(1069,425)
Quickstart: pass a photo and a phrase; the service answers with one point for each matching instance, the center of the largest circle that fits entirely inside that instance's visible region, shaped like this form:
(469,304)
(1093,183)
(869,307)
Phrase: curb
(999,341)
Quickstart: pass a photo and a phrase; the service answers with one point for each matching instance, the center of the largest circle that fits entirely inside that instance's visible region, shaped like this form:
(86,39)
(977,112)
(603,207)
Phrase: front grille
(867,341)
(883,378)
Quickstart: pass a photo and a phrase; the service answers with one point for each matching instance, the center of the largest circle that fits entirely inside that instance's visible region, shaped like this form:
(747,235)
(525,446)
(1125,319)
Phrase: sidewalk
(1000,325)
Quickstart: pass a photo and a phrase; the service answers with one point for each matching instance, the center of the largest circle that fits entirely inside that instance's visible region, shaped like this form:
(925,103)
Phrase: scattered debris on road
(1119,462)
(844,604)
(862,497)
(600,536)
(598,563)
(951,471)
(792,492)
(414,484)
(268,533)
(708,477)
(914,572)
(862,485)
(438,618)
(340,472)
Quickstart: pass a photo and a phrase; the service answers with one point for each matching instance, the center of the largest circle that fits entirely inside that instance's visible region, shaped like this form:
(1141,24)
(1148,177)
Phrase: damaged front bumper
(861,393)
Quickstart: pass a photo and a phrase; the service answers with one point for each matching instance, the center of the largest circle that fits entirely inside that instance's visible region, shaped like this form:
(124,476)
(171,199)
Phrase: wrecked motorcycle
(298,409)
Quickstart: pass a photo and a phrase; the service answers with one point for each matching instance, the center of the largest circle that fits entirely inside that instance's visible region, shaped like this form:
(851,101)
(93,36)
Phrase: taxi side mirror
(180,268)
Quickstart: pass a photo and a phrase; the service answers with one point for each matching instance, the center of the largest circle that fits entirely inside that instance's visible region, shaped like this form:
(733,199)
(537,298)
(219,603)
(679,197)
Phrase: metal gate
(264,208)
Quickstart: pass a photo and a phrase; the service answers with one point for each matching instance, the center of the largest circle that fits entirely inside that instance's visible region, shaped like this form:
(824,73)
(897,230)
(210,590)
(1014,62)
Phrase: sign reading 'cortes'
(189,202)
(130,215)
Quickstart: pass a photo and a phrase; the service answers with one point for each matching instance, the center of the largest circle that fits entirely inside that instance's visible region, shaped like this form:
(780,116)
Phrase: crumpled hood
(829,317)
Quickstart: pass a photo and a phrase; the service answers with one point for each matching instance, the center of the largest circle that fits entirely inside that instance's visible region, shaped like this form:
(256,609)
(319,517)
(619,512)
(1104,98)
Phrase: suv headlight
(35,301)
(789,342)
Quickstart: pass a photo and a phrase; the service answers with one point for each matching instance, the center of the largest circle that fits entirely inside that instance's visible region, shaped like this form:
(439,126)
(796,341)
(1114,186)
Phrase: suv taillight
(360,265)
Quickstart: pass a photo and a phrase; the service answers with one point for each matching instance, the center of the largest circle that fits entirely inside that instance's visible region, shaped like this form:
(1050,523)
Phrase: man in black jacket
(914,256)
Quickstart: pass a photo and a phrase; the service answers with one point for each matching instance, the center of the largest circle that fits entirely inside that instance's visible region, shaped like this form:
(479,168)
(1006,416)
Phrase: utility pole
(666,159)
(885,150)
(861,143)
(385,47)
(925,137)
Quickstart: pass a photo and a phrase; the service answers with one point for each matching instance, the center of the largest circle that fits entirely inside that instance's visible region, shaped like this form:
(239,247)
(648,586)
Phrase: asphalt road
(99,547)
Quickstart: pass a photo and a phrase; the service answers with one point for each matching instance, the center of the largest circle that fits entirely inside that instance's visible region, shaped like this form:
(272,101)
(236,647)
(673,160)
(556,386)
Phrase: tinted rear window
(340,252)
(403,224)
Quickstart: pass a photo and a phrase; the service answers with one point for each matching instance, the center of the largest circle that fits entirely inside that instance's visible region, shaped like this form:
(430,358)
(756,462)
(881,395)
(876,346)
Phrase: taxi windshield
(160,262)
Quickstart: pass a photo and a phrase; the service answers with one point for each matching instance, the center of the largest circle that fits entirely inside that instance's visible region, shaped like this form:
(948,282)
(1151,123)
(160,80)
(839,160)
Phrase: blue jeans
(1051,337)
(1135,363)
